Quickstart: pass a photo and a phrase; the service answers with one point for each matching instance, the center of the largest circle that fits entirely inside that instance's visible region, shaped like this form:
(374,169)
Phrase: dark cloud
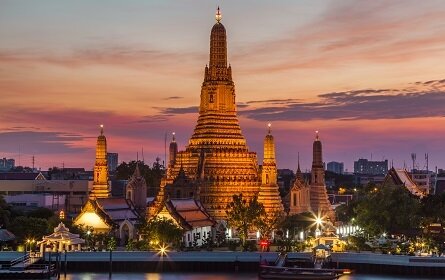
(178,110)
(154,119)
(36,142)
(173,98)
(354,105)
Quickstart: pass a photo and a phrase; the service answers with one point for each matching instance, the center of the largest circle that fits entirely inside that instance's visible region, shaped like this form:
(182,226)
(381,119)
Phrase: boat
(273,272)
(280,271)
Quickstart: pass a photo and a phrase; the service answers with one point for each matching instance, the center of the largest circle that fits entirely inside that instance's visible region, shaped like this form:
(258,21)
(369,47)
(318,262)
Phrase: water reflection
(207,276)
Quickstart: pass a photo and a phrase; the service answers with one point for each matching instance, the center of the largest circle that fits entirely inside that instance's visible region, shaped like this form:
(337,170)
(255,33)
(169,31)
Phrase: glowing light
(218,15)
(163,250)
(91,219)
(318,221)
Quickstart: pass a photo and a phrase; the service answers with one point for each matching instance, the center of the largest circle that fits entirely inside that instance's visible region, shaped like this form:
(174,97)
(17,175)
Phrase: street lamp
(88,239)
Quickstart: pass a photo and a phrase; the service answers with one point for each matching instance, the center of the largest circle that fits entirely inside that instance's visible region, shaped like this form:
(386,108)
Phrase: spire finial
(101,129)
(269,125)
(316,135)
(218,15)
(173,136)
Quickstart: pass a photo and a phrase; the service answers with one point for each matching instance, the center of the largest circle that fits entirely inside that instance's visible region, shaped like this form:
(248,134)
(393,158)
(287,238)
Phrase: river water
(207,276)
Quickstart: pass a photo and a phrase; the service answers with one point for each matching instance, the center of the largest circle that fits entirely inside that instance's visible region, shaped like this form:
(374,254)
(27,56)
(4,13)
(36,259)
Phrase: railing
(20,259)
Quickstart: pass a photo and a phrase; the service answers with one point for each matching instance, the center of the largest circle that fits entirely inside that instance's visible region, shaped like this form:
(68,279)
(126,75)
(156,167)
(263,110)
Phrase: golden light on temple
(234,170)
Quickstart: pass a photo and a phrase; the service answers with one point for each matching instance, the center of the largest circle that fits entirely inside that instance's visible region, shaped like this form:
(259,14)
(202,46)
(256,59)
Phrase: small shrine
(62,239)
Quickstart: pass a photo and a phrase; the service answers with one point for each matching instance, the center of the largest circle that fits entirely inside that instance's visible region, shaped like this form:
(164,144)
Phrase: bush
(232,245)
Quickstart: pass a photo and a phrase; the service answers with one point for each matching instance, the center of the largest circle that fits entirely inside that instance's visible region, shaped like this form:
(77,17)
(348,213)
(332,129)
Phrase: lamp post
(88,239)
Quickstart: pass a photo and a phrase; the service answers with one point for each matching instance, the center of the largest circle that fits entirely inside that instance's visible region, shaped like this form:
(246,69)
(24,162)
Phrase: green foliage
(5,213)
(269,222)
(345,213)
(42,213)
(244,215)
(297,223)
(29,227)
(232,245)
(152,175)
(391,209)
(161,231)
(111,243)
(358,243)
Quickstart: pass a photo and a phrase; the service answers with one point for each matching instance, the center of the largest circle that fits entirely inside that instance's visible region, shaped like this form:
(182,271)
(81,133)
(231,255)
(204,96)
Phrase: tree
(42,213)
(269,222)
(5,213)
(391,209)
(28,227)
(244,215)
(298,222)
(161,231)
(152,175)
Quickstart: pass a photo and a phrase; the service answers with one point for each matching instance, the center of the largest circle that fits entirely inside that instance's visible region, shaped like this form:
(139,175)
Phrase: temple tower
(299,194)
(269,172)
(269,194)
(172,151)
(100,183)
(217,157)
(319,197)
(136,190)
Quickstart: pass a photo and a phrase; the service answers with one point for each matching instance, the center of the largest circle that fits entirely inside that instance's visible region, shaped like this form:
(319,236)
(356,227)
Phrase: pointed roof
(137,171)
(218,15)
(299,175)
(401,177)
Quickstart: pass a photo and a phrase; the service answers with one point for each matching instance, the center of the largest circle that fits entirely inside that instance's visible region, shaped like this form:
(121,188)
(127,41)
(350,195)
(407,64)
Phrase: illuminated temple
(216,163)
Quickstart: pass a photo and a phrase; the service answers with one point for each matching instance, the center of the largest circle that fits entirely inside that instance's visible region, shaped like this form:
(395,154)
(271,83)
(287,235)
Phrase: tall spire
(172,151)
(269,175)
(218,44)
(137,171)
(218,15)
(100,184)
(299,175)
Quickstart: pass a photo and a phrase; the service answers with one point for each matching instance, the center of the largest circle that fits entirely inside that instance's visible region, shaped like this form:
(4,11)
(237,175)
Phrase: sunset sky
(369,75)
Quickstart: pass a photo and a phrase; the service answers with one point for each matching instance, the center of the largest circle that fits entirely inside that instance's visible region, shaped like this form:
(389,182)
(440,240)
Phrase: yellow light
(318,221)
(163,249)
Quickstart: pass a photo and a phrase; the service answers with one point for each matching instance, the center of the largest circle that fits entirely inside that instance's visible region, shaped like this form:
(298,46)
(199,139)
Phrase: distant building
(364,166)
(7,164)
(30,200)
(364,179)
(70,194)
(113,161)
(336,167)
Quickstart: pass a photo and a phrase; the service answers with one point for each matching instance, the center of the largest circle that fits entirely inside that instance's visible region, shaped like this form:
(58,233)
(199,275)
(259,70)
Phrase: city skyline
(342,68)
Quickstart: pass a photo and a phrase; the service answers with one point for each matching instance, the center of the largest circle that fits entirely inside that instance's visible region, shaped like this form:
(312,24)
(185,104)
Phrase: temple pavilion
(62,239)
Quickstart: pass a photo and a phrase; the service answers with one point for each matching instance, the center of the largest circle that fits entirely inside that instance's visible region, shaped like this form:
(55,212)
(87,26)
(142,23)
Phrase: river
(207,276)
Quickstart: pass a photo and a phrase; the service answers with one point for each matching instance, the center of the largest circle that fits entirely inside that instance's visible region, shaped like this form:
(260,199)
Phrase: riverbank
(220,261)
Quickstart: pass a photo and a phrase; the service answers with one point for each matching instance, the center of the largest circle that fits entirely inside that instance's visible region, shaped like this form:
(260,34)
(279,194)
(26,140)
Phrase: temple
(320,204)
(298,199)
(216,163)
(269,194)
(100,184)
(116,215)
